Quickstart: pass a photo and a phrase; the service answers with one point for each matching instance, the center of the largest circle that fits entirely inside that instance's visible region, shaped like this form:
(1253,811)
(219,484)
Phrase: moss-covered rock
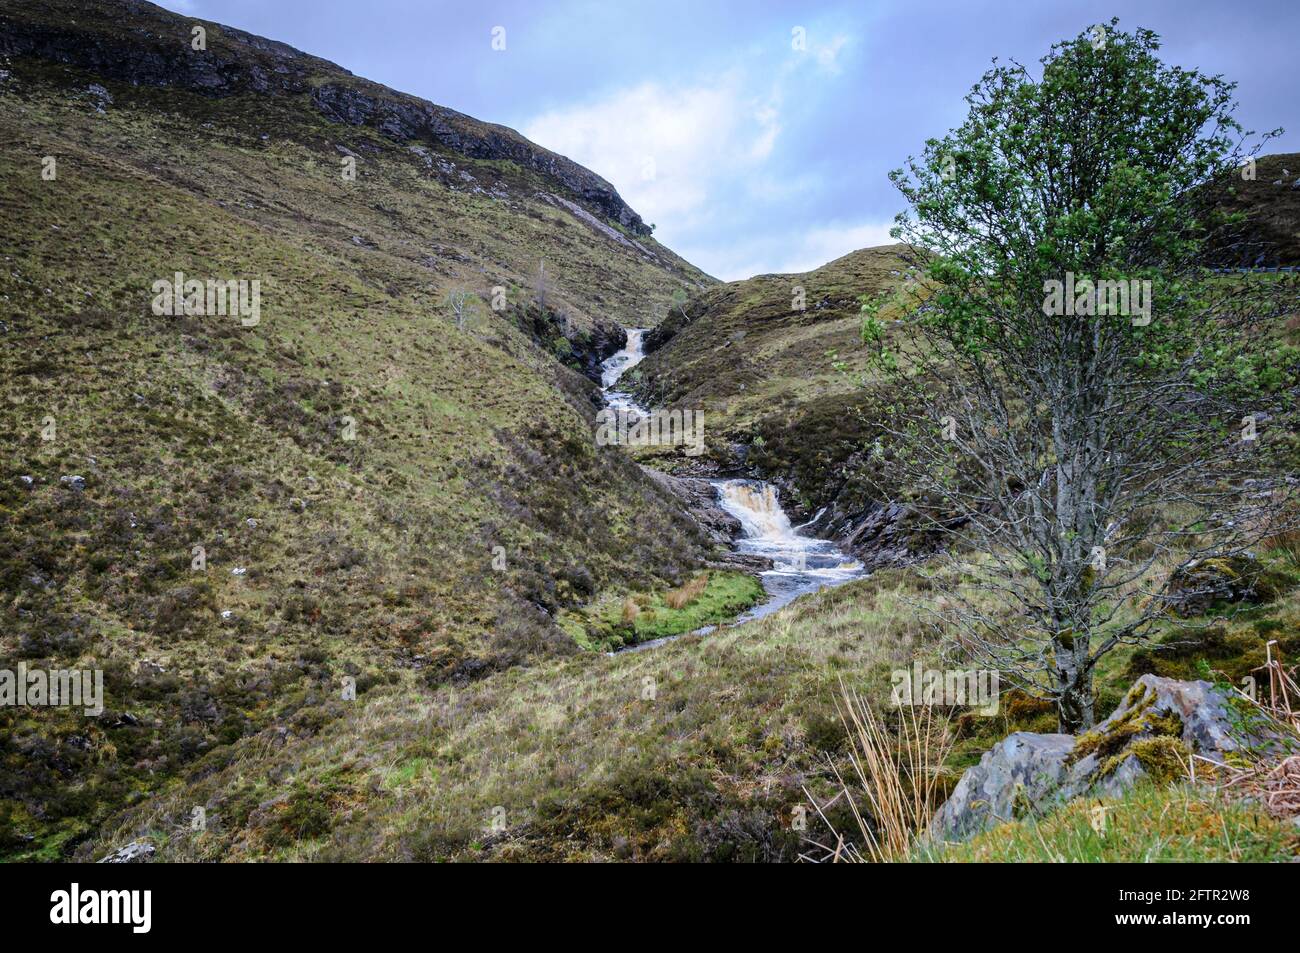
(1197,588)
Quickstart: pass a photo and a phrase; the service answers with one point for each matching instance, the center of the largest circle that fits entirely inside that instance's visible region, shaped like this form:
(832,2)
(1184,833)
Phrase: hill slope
(776,364)
(229,519)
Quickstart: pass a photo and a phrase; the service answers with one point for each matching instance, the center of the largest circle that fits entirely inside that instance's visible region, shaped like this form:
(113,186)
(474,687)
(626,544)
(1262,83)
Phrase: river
(800,564)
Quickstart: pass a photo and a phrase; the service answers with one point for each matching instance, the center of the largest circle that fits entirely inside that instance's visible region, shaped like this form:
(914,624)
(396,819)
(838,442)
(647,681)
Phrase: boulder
(1195,588)
(136,852)
(1150,735)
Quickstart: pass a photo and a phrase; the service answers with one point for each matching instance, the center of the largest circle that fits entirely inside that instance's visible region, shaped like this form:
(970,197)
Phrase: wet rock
(701,501)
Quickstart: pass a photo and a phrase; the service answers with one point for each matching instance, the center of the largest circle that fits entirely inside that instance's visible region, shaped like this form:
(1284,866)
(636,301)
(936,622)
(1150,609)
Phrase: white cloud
(789,251)
(703,160)
(828,54)
(665,148)
(816,247)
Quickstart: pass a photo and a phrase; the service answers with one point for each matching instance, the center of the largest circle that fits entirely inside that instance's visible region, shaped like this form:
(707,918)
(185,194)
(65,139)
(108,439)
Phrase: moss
(1149,823)
(1164,758)
(714,597)
(1199,587)
(1107,741)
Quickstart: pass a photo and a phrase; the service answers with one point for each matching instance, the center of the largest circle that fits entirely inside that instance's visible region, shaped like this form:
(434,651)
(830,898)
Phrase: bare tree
(543,287)
(1082,410)
(460,302)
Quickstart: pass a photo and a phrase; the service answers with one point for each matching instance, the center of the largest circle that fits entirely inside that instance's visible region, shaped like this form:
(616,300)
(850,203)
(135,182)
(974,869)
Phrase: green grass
(698,749)
(601,625)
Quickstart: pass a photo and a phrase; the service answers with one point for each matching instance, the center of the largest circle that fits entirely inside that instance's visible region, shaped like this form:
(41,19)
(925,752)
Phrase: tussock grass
(698,749)
(683,596)
(898,770)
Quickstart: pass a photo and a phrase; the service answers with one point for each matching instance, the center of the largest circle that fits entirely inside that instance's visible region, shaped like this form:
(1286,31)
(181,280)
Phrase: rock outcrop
(701,501)
(1153,732)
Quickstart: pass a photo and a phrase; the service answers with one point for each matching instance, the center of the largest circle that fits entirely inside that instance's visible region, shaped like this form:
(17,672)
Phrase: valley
(414,503)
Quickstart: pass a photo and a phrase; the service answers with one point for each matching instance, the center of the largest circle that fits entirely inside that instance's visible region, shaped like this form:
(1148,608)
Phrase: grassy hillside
(700,749)
(781,386)
(348,466)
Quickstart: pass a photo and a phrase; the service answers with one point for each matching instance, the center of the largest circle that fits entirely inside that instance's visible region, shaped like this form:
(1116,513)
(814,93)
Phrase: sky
(756,136)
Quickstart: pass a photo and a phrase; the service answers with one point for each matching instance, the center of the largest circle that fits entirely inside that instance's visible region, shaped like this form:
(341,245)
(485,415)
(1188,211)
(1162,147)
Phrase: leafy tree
(1084,410)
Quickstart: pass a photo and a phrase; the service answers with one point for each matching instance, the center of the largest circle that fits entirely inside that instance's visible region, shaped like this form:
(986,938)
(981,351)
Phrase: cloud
(666,148)
(792,251)
(827,55)
(712,159)
(819,245)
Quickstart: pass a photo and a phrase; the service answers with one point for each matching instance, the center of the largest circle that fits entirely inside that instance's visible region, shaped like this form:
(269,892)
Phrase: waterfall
(756,506)
(800,563)
(618,364)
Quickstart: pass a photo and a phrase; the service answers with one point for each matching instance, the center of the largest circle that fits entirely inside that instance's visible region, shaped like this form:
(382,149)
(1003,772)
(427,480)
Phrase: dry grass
(1271,777)
(683,596)
(899,774)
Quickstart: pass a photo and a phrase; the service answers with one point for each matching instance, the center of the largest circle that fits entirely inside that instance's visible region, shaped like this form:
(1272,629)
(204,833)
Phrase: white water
(800,564)
(618,364)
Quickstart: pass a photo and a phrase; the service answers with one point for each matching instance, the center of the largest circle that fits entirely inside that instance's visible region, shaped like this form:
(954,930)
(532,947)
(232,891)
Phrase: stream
(800,564)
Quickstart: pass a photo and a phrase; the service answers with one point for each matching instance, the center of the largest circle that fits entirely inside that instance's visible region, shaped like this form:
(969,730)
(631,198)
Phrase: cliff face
(139,43)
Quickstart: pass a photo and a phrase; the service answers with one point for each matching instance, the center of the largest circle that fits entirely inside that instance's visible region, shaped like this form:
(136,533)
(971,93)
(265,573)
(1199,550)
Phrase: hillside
(788,393)
(231,518)
(777,364)
(1270,235)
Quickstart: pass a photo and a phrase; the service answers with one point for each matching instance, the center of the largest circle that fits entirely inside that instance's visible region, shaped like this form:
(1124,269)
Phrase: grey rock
(101,96)
(1021,770)
(1029,774)
(136,852)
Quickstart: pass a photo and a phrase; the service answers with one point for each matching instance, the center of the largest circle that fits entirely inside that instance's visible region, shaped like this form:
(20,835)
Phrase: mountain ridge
(165,58)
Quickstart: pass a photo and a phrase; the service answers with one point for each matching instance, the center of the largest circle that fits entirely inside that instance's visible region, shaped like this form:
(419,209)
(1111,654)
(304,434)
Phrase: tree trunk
(1074,703)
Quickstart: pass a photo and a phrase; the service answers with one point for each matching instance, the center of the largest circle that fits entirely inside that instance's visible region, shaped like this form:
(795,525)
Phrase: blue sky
(750,155)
